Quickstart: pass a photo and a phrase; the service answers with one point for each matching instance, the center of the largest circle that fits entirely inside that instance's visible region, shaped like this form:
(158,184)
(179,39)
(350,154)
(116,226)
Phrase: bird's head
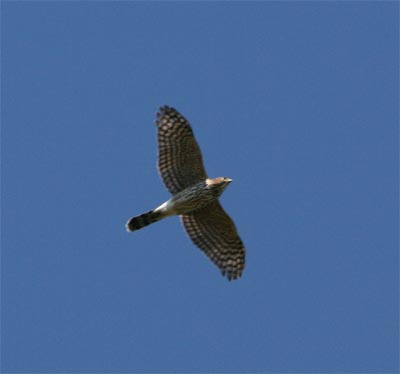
(218,184)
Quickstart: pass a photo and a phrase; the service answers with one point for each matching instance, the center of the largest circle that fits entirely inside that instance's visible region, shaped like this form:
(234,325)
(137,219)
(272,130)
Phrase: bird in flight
(194,196)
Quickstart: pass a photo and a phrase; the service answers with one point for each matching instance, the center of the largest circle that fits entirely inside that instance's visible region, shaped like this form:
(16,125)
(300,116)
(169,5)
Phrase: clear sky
(295,101)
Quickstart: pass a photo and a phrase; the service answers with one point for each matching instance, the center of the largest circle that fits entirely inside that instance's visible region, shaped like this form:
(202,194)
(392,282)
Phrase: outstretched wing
(179,158)
(214,232)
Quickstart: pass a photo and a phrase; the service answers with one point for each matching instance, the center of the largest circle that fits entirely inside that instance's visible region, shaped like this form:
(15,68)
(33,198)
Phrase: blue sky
(295,101)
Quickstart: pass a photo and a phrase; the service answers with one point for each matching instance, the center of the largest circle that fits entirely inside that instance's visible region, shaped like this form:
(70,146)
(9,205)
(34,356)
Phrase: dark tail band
(145,219)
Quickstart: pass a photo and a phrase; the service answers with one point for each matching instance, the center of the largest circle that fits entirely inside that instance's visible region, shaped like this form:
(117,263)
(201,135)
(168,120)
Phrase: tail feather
(145,219)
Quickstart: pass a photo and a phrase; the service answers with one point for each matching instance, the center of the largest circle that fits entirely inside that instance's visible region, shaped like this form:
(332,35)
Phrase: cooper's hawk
(194,196)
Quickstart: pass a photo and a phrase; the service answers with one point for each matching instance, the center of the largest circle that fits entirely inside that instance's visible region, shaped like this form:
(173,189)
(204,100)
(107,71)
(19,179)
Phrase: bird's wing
(214,232)
(179,158)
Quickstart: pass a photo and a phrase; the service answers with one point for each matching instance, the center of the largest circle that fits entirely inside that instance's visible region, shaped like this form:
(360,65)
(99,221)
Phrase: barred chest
(193,198)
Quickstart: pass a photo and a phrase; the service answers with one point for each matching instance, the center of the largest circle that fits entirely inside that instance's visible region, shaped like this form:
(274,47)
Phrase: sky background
(295,101)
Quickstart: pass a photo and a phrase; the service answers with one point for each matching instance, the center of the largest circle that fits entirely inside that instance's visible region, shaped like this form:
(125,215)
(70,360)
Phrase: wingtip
(161,111)
(166,108)
(231,275)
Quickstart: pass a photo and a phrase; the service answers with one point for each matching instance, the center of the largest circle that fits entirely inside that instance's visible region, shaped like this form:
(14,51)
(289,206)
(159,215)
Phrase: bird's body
(183,202)
(195,197)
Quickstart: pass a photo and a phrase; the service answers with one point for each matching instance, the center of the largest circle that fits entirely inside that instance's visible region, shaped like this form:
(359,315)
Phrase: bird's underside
(194,196)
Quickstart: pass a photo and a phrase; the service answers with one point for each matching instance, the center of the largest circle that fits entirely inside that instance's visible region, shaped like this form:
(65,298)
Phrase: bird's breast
(191,198)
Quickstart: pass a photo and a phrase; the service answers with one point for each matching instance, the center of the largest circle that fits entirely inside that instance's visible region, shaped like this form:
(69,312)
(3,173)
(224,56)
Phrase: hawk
(194,196)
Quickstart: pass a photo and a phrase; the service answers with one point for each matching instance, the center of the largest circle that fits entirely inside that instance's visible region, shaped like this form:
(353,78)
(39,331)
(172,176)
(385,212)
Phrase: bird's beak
(229,180)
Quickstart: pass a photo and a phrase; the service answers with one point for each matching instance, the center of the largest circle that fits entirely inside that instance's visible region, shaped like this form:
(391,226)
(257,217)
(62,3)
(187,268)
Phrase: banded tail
(145,219)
